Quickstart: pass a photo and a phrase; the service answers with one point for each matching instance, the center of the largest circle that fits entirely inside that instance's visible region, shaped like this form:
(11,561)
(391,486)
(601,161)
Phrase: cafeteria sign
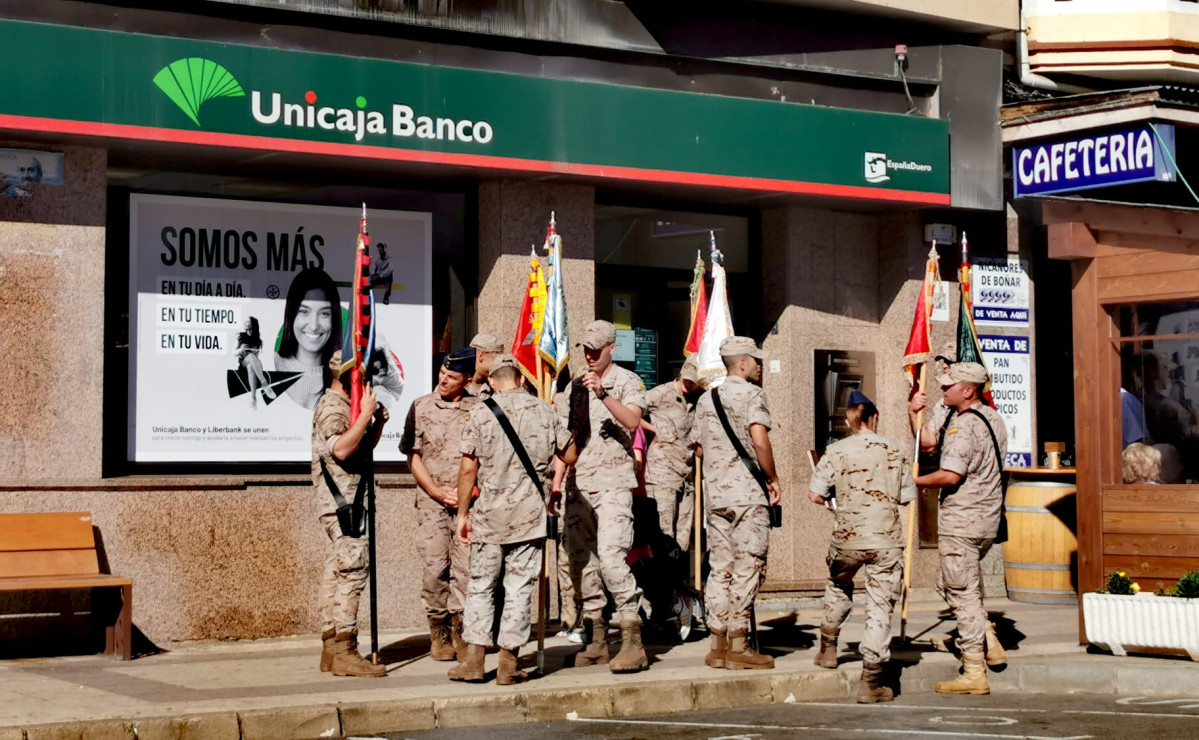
(1142,153)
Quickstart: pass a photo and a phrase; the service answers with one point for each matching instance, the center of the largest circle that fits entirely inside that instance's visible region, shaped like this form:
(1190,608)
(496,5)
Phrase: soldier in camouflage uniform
(486,348)
(969,516)
(506,528)
(606,405)
(735,504)
(668,463)
(338,458)
(872,479)
(431,437)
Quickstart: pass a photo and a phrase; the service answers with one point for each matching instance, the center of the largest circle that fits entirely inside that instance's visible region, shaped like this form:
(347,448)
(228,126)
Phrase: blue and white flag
(554,346)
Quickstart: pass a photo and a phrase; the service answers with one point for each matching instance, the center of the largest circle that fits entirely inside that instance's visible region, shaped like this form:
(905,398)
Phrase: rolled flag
(718,323)
(528,326)
(554,346)
(918,350)
(699,308)
(360,340)
(969,348)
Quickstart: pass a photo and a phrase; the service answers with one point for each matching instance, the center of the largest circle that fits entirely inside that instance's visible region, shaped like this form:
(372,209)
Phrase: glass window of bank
(645,262)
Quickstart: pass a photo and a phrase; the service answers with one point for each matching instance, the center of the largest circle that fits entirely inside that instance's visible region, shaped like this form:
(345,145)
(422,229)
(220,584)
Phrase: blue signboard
(1095,159)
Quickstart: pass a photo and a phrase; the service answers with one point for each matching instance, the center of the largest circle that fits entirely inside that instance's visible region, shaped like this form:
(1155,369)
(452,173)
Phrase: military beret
(460,361)
(857,398)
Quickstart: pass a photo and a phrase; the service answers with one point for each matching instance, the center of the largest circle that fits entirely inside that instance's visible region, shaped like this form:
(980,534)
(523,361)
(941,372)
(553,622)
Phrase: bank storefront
(209,186)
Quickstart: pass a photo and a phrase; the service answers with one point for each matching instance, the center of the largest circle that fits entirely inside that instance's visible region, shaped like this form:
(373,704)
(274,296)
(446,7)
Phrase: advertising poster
(1008,361)
(235,307)
(1001,290)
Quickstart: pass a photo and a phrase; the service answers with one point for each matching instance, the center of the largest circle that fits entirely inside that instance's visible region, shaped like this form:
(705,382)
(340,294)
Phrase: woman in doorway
(311,333)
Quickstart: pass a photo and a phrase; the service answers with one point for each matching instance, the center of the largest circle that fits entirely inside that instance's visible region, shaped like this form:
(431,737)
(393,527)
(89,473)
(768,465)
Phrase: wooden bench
(52,552)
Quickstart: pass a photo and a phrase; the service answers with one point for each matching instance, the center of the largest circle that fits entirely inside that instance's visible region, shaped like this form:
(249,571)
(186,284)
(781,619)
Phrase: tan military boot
(439,639)
(508,673)
(471,668)
(715,656)
(741,656)
(996,655)
(827,657)
(870,688)
(973,679)
(327,639)
(595,651)
(632,657)
(347,661)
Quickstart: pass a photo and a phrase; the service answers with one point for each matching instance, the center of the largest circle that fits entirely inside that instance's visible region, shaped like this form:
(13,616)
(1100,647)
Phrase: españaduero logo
(191,82)
(878,165)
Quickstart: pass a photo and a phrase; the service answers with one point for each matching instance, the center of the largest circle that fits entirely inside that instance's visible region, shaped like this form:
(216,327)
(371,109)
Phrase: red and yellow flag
(699,308)
(918,349)
(528,326)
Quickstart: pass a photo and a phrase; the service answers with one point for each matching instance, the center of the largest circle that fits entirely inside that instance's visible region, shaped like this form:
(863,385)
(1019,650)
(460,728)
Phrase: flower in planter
(1120,584)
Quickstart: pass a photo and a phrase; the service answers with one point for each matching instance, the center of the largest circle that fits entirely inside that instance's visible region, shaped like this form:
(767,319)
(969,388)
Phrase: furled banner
(235,308)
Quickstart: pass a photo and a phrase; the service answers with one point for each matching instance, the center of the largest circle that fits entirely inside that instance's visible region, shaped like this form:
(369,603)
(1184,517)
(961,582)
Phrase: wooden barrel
(1040,558)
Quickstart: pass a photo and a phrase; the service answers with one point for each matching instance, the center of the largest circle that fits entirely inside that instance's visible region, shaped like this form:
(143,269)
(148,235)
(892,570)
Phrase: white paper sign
(1008,361)
(1000,288)
(230,297)
(940,301)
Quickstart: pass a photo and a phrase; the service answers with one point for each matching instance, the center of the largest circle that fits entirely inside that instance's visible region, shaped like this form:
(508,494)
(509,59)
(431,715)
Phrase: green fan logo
(190,83)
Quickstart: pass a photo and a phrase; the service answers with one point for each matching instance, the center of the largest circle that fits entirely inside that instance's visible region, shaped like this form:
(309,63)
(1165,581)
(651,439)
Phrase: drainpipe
(1027,78)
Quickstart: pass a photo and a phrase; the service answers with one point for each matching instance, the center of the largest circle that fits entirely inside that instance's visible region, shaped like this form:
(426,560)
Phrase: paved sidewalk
(272,688)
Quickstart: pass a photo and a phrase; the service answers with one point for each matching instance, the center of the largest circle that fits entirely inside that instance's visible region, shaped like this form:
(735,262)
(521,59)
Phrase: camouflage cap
(690,370)
(598,334)
(485,342)
(737,346)
(502,361)
(963,372)
(335,364)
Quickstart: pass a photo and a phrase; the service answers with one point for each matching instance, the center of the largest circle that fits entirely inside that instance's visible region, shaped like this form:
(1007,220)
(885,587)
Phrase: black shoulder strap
(521,453)
(356,508)
(754,470)
(944,429)
(994,439)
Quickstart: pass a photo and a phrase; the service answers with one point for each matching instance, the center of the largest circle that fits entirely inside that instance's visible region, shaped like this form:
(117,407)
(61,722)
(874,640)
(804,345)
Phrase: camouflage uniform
(872,479)
(433,429)
(668,460)
(735,505)
(968,519)
(345,571)
(599,520)
(508,519)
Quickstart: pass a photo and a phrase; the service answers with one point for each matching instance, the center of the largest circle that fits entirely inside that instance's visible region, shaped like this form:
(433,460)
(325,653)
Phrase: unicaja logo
(190,83)
(876,167)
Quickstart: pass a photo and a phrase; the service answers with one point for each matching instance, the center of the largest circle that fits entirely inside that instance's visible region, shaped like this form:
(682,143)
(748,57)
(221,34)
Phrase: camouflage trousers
(445,562)
(884,579)
(569,598)
(519,563)
(343,578)
(676,507)
(737,542)
(599,533)
(960,583)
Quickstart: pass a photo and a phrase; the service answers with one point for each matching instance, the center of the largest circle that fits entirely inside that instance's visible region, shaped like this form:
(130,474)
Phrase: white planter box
(1122,623)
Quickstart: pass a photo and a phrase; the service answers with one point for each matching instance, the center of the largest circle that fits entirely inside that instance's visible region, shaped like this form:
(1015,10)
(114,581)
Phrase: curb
(754,688)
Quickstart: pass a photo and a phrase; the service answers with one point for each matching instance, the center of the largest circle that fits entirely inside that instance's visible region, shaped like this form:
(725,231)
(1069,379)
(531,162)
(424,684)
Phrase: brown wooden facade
(1123,255)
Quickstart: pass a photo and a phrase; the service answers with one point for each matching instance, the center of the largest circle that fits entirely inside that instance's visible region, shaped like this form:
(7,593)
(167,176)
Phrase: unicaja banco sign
(191,92)
(190,83)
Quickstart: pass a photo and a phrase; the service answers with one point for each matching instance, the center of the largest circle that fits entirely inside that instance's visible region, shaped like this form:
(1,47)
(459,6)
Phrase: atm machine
(837,374)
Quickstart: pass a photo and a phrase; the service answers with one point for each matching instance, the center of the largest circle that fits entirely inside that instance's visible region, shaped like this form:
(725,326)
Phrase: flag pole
(697,557)
(927,286)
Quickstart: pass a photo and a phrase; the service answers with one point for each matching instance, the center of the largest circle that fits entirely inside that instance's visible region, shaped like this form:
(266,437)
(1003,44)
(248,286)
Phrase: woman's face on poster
(314,322)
